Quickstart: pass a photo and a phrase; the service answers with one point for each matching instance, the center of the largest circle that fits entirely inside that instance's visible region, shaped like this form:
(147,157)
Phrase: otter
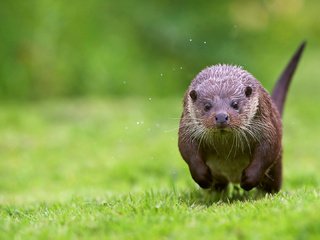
(231,130)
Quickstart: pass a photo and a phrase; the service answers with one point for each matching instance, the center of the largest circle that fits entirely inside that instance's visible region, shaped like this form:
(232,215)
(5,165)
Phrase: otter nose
(222,118)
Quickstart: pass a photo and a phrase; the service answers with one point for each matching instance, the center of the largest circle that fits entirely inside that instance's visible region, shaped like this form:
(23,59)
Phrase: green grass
(103,168)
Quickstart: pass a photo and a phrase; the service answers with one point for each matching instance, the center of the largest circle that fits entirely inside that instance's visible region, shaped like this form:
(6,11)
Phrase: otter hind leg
(220,183)
(272,180)
(220,186)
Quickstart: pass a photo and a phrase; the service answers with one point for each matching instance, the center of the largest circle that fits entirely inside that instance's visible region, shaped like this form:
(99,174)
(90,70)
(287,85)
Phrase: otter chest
(228,167)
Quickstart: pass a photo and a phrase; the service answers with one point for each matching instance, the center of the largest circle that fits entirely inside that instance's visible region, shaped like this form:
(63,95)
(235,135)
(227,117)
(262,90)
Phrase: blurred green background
(56,48)
(90,100)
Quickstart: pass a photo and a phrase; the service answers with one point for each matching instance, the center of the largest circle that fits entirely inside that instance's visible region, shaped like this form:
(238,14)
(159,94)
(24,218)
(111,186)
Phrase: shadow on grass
(231,195)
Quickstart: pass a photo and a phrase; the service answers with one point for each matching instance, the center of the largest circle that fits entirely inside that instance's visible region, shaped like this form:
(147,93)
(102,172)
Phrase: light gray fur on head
(225,76)
(226,81)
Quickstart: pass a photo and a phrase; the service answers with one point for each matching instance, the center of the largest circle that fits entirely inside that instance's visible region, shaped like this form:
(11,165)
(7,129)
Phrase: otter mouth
(223,129)
(220,128)
(222,124)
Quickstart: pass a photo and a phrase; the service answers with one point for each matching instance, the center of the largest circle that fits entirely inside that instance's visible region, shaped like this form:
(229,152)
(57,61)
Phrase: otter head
(223,98)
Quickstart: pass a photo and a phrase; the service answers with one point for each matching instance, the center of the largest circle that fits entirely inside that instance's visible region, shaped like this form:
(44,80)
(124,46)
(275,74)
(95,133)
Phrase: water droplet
(205,42)
(161,74)
(138,123)
(180,67)
(190,40)
(150,98)
(124,82)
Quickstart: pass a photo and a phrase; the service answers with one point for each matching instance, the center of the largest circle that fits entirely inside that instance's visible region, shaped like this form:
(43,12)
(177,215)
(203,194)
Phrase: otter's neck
(228,144)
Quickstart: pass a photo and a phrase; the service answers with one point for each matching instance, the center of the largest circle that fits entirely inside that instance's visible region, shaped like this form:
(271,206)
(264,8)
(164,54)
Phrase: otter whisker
(233,139)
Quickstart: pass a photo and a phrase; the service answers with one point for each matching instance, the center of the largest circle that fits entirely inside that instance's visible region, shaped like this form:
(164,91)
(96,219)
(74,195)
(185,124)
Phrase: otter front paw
(202,176)
(249,180)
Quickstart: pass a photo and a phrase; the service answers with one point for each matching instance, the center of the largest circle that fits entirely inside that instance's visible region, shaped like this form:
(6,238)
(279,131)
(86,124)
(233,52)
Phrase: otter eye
(235,105)
(248,91)
(207,107)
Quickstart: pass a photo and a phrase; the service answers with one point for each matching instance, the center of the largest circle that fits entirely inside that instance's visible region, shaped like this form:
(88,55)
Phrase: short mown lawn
(110,168)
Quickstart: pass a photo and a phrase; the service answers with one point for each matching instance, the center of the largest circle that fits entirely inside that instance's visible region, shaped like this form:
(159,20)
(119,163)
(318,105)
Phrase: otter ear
(248,91)
(193,94)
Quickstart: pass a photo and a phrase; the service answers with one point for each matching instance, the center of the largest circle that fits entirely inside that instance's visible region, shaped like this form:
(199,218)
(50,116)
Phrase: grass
(104,168)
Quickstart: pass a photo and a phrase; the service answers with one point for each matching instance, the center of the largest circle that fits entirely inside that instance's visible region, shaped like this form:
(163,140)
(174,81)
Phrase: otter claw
(248,181)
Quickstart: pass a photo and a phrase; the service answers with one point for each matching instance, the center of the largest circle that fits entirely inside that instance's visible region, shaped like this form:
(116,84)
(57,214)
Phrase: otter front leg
(263,158)
(200,172)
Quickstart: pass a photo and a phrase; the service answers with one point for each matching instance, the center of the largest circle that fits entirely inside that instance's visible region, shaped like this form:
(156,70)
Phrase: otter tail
(280,90)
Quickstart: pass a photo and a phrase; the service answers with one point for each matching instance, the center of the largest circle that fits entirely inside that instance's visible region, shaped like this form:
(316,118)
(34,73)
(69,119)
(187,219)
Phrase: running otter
(230,129)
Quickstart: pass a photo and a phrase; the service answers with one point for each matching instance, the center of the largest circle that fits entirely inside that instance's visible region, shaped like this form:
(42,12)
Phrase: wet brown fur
(249,150)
